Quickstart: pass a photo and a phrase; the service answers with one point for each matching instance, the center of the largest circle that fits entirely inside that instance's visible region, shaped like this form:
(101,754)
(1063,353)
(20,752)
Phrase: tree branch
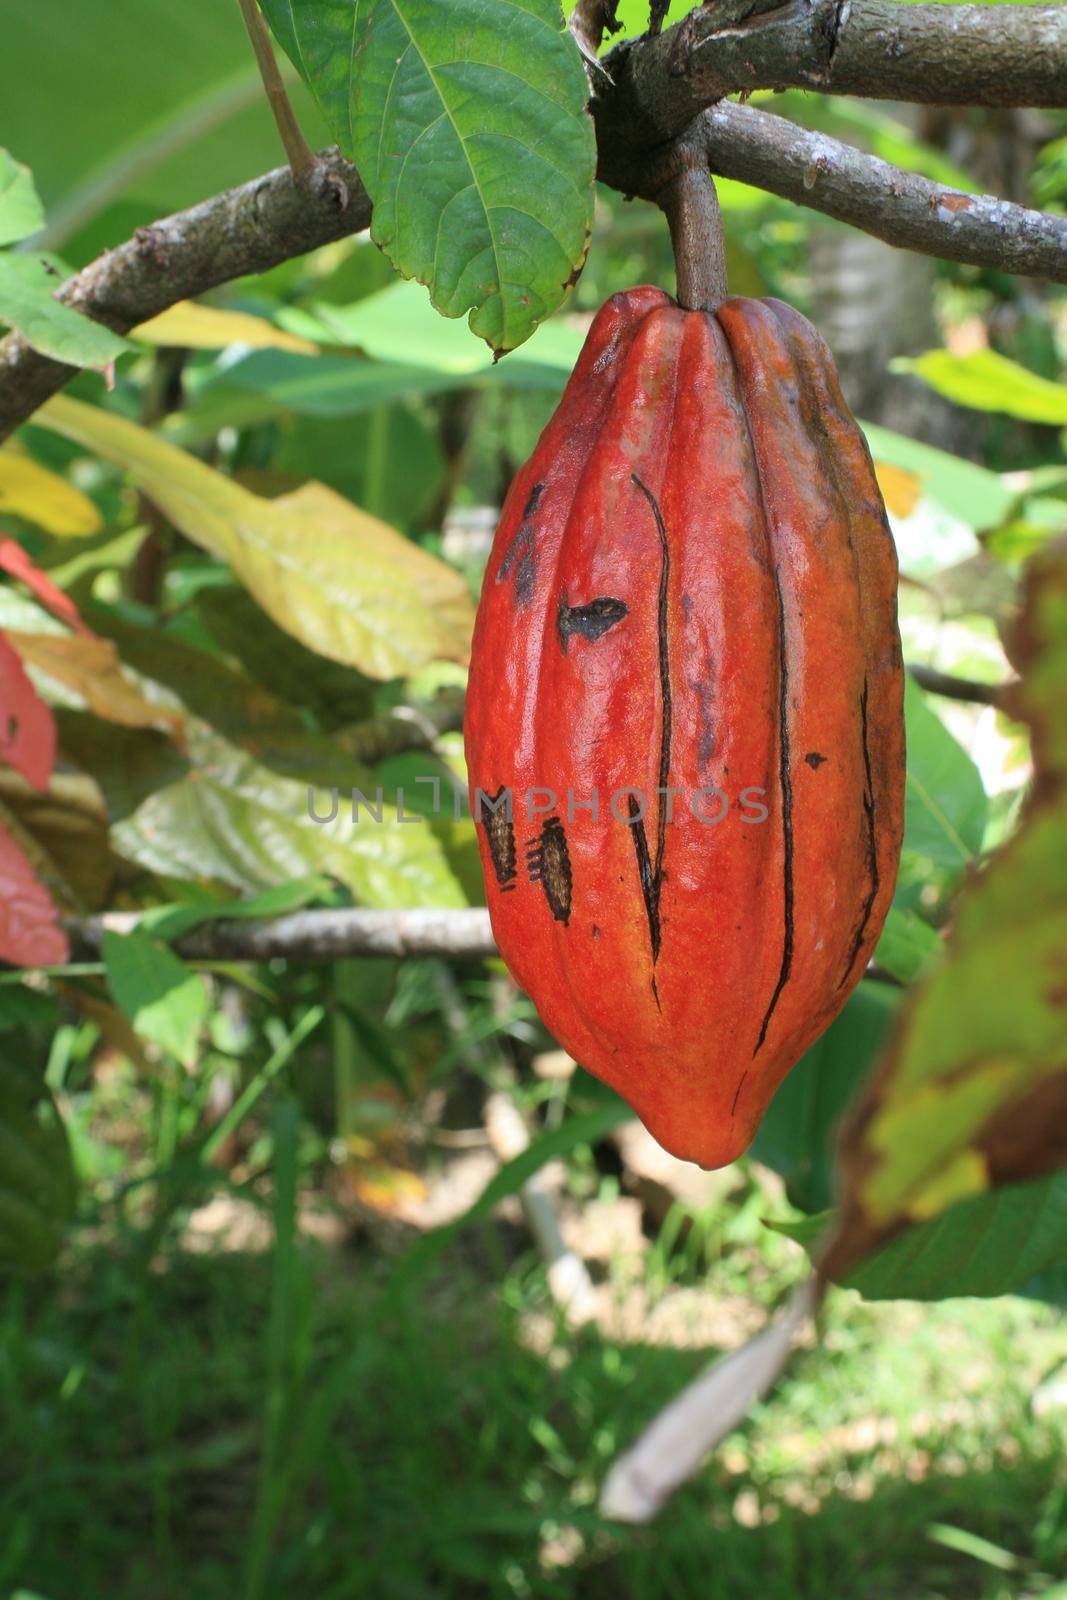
(951,688)
(322,935)
(245,230)
(899,207)
(1003,55)
(312,936)
(662,88)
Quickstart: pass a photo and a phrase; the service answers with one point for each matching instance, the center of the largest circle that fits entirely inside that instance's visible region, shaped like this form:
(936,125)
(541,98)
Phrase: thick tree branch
(1004,55)
(899,207)
(245,230)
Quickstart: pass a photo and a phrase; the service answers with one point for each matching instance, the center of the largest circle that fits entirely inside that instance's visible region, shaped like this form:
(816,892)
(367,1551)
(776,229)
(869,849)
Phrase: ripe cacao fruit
(689,613)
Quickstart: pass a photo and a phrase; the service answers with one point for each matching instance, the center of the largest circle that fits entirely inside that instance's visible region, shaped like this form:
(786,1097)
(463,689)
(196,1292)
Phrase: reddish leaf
(13,559)
(27,727)
(30,935)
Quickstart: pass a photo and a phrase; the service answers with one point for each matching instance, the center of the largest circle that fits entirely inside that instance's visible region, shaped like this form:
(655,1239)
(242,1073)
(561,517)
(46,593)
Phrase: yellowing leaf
(68,823)
(44,498)
(191,326)
(345,584)
(901,490)
(91,668)
(973,1092)
(987,381)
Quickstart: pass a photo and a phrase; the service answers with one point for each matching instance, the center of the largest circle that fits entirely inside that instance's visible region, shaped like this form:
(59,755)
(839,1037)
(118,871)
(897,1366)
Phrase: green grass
(237,1425)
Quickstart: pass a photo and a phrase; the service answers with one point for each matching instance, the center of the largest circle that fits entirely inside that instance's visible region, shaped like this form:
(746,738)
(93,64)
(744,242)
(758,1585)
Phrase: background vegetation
(258,1333)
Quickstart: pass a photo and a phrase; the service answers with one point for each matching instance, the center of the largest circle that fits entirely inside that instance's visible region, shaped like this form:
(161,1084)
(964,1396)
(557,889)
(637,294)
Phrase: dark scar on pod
(591,621)
(785,784)
(872,840)
(548,863)
(519,557)
(500,837)
(649,871)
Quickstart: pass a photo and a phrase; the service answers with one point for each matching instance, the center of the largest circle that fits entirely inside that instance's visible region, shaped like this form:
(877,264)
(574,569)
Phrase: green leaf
(174,921)
(22,1007)
(328,386)
(166,1003)
(287,669)
(397,324)
(945,804)
(236,823)
(469,127)
(993,1244)
(347,585)
(37,1187)
(21,211)
(906,945)
(990,1245)
(27,287)
(126,764)
(988,381)
(798,1135)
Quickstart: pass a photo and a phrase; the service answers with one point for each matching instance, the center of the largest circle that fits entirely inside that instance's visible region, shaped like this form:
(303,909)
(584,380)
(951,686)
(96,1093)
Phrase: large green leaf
(469,127)
(292,673)
(235,822)
(36,1176)
(1001,1242)
(973,1093)
(346,584)
(988,381)
(993,1244)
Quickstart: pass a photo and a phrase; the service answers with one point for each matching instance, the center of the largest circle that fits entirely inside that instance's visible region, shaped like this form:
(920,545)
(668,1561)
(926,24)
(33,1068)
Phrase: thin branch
(246,230)
(1004,55)
(951,688)
(302,159)
(314,935)
(899,207)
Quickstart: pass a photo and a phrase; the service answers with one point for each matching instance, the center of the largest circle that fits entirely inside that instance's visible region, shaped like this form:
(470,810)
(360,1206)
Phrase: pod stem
(691,206)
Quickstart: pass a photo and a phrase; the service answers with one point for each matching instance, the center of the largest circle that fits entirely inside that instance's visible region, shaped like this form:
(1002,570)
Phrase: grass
(206,1426)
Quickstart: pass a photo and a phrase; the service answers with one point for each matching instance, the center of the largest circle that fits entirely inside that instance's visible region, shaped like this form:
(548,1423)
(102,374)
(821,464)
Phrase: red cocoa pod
(692,589)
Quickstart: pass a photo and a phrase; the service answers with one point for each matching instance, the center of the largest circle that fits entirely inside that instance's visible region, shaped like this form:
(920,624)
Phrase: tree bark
(245,230)
(1009,55)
